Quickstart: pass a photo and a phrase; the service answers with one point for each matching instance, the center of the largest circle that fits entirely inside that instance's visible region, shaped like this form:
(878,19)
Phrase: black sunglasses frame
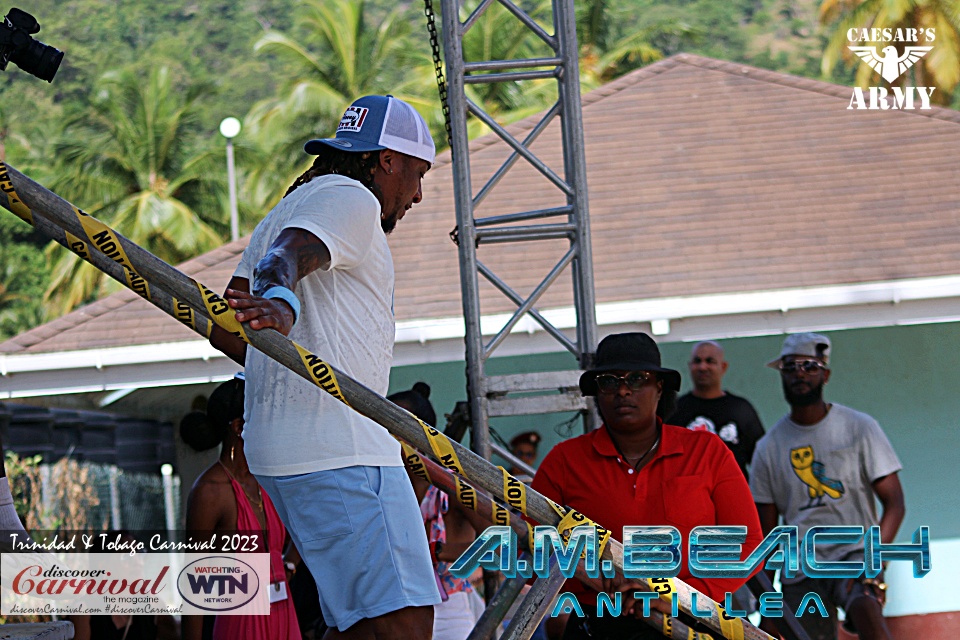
(635,380)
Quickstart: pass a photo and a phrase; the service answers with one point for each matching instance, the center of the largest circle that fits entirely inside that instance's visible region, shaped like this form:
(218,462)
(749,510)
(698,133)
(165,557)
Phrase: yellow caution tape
(21,210)
(466,495)
(104,239)
(663,586)
(442,448)
(514,492)
(220,313)
(574,518)
(78,246)
(667,626)
(137,284)
(321,372)
(185,314)
(108,243)
(730,626)
(415,462)
(501,516)
(553,505)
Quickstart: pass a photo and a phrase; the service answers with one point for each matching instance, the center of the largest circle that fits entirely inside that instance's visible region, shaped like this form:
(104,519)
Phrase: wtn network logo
(218,583)
(890,63)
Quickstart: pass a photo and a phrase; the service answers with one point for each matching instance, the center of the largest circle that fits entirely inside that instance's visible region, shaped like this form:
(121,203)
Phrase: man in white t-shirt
(823,464)
(319,270)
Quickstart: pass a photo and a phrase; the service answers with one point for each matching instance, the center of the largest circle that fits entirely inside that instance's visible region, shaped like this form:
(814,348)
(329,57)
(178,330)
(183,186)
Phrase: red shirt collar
(603,444)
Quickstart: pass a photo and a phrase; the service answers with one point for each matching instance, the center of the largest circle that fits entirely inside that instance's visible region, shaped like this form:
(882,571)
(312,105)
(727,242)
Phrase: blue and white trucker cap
(373,123)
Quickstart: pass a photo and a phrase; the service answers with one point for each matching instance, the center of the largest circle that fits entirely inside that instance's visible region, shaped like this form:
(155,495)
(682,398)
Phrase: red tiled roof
(704,177)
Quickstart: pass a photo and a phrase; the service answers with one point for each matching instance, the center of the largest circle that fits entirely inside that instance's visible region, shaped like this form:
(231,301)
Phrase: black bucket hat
(628,352)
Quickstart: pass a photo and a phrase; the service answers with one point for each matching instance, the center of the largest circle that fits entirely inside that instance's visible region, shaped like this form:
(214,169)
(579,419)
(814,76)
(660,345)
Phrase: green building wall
(906,377)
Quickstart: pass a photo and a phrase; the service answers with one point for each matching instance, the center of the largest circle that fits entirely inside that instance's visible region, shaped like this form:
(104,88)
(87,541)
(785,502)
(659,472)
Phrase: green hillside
(138,73)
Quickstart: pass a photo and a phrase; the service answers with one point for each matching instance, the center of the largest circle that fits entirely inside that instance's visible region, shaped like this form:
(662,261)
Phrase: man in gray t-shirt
(822,464)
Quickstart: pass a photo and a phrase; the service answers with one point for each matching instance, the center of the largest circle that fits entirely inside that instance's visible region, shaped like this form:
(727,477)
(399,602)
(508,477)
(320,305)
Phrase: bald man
(708,407)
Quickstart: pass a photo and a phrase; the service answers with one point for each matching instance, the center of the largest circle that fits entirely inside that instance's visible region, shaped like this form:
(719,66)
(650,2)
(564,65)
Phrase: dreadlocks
(359,166)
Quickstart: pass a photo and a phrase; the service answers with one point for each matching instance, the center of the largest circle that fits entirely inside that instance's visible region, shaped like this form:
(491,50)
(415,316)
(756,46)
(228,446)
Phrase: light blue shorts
(360,531)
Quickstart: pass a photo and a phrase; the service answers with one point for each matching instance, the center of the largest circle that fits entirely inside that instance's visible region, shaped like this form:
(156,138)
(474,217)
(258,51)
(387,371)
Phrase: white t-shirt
(822,474)
(292,426)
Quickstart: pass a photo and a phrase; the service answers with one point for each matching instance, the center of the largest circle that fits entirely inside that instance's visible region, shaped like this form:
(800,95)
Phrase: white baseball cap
(812,345)
(373,123)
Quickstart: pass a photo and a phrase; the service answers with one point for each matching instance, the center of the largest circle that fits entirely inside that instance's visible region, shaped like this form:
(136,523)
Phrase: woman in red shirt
(635,470)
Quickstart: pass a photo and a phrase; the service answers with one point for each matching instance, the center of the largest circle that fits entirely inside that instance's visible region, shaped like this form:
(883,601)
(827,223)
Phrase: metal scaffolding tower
(533,393)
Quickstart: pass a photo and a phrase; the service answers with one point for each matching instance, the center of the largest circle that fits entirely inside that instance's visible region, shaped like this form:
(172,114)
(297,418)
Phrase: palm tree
(618,37)
(498,35)
(22,278)
(345,52)
(134,160)
(940,68)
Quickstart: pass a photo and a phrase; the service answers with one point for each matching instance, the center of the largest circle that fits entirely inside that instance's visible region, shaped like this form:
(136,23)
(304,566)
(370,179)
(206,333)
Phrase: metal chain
(438,67)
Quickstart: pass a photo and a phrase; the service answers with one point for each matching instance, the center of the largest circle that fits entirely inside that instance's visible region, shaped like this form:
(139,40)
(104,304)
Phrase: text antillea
(714,552)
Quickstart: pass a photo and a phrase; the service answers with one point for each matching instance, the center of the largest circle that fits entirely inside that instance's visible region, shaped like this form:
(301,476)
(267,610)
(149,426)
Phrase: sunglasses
(808,366)
(609,383)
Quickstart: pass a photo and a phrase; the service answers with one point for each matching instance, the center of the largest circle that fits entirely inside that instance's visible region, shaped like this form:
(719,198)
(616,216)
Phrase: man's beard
(811,397)
(389,224)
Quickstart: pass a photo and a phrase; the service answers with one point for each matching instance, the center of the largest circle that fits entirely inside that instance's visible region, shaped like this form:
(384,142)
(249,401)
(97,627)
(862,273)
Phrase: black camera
(18,47)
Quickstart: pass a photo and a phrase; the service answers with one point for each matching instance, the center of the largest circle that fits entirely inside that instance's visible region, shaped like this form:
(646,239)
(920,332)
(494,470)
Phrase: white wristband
(283,293)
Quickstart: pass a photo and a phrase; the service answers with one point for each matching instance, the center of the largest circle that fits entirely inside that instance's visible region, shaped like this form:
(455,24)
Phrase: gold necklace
(257,503)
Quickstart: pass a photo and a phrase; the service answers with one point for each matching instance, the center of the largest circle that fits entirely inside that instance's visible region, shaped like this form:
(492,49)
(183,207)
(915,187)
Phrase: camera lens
(38,59)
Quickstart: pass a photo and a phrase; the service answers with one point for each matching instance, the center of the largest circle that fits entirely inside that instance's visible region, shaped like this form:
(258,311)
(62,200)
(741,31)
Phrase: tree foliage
(23,277)
(939,68)
(128,129)
(136,160)
(336,51)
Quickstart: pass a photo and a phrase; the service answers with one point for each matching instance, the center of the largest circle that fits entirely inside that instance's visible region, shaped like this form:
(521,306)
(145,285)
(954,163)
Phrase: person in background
(710,407)
(450,529)
(306,598)
(636,470)
(226,499)
(524,446)
(123,626)
(826,464)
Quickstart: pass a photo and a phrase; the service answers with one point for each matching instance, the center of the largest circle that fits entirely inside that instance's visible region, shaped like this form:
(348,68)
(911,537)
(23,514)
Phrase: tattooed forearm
(275,269)
(294,254)
(311,257)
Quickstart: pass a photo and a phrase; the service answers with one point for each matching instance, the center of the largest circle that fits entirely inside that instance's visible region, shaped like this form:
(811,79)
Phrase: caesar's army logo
(890,64)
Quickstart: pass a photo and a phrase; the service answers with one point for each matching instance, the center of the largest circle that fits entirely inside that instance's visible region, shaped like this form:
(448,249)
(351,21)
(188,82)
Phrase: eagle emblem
(890,65)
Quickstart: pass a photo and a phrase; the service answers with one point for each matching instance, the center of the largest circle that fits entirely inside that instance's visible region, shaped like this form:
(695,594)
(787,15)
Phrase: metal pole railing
(489,510)
(172,290)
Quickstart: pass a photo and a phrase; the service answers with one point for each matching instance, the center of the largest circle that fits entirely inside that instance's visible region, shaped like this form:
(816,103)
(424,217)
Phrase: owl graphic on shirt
(814,474)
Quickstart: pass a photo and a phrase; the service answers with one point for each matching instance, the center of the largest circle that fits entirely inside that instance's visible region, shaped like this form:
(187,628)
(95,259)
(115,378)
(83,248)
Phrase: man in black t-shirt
(709,408)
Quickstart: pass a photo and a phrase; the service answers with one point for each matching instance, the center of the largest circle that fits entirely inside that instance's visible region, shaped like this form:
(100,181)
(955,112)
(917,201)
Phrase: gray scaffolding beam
(535,393)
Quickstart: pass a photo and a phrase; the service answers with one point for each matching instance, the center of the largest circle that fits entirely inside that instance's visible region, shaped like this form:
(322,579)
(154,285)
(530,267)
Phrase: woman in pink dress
(226,499)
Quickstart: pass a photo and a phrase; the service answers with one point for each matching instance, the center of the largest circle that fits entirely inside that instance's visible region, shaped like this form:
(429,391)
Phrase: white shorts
(360,531)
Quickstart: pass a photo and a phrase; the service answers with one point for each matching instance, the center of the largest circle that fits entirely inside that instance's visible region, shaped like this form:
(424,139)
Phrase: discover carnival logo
(890,64)
(134,583)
